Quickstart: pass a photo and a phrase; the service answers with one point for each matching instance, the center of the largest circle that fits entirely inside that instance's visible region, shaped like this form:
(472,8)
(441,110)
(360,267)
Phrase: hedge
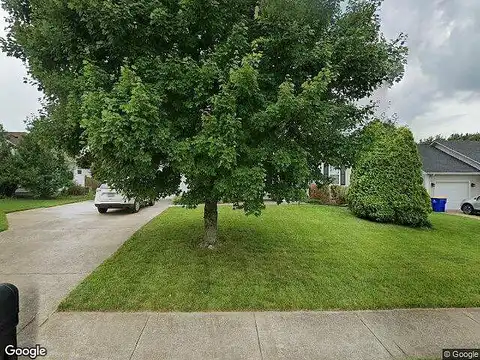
(3,221)
(386,183)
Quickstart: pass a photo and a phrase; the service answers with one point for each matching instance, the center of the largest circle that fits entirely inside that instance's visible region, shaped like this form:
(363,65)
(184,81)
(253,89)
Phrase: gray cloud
(440,92)
(17,100)
(455,61)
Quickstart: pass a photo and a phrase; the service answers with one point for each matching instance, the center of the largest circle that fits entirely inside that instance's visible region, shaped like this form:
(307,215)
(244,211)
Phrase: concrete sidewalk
(389,334)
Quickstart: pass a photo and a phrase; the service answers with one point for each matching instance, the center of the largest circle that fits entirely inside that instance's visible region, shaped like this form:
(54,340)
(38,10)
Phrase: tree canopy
(33,164)
(244,98)
(453,137)
(8,168)
(42,170)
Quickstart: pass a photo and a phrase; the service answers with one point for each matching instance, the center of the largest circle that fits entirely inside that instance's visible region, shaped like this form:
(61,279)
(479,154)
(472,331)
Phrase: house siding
(79,179)
(327,170)
(348,174)
(434,178)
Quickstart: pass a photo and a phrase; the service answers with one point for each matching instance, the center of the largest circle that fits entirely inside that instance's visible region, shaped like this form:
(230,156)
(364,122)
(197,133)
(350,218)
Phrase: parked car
(108,198)
(471,206)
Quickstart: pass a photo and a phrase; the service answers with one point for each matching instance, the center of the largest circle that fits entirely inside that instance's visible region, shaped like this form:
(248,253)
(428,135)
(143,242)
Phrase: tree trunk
(210,218)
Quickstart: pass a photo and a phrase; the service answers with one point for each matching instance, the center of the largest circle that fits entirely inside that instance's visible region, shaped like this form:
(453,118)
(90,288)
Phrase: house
(14,138)
(339,176)
(80,175)
(451,169)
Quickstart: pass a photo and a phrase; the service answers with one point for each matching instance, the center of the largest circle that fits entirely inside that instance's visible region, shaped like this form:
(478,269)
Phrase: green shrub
(92,183)
(321,194)
(8,167)
(338,194)
(177,200)
(327,194)
(75,190)
(387,184)
(42,170)
(3,221)
(7,189)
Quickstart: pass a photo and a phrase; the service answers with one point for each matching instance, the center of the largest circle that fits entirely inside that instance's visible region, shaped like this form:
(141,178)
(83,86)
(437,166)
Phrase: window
(325,169)
(334,175)
(79,172)
(343,176)
(338,175)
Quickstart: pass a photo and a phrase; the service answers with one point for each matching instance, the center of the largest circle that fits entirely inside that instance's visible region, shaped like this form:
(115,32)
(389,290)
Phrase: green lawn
(18,204)
(291,258)
(3,221)
(9,205)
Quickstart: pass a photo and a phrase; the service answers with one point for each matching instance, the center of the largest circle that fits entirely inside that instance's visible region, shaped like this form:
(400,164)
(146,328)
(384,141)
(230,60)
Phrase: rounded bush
(386,184)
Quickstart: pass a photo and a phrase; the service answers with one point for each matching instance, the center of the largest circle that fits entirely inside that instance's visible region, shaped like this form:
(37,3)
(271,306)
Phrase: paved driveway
(46,252)
(460,213)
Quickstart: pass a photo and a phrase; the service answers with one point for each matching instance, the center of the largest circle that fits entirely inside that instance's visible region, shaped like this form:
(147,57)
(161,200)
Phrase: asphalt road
(47,252)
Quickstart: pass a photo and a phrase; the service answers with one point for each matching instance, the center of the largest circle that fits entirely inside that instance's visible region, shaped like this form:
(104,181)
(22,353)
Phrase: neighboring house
(14,138)
(79,175)
(451,169)
(339,176)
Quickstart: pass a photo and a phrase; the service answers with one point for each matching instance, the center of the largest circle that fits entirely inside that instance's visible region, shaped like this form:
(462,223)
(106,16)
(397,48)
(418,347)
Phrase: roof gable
(435,160)
(15,138)
(465,151)
(470,149)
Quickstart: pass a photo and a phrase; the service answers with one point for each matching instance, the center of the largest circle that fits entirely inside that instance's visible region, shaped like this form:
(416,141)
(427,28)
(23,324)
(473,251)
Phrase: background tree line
(34,165)
(453,137)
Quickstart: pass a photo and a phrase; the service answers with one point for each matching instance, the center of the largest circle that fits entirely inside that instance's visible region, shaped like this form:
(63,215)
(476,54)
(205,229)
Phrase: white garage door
(455,192)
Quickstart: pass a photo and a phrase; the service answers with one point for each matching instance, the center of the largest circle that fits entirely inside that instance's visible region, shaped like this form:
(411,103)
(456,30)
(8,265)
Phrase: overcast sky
(440,93)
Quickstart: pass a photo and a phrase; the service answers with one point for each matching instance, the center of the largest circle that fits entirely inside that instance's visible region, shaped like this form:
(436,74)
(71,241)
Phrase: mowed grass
(291,258)
(3,221)
(9,205)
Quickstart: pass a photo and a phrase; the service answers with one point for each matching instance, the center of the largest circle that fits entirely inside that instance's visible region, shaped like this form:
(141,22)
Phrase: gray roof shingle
(467,148)
(436,161)
(15,137)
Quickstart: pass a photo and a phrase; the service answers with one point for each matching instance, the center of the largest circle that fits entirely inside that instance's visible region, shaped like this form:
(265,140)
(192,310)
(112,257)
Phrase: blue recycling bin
(439,204)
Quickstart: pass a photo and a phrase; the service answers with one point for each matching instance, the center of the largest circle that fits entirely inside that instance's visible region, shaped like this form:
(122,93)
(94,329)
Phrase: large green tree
(244,98)
(42,170)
